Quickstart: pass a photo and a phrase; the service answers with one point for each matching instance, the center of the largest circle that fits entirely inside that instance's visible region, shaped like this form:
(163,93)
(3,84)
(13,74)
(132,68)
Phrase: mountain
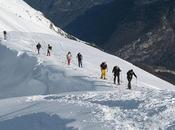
(63,12)
(144,26)
(39,92)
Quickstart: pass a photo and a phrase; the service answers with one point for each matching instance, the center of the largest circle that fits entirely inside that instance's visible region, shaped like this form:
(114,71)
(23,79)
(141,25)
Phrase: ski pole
(121,78)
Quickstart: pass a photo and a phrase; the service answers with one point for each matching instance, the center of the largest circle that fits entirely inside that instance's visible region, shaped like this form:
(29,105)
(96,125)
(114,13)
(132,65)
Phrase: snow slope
(17,15)
(81,100)
(125,110)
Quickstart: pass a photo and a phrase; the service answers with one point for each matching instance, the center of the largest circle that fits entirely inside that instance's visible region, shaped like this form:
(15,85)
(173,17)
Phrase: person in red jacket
(69,57)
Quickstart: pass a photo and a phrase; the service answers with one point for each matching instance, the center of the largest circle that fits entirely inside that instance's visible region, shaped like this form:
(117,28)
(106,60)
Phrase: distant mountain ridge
(63,12)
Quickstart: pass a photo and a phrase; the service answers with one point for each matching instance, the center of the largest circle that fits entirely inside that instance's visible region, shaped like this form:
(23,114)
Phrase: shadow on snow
(39,121)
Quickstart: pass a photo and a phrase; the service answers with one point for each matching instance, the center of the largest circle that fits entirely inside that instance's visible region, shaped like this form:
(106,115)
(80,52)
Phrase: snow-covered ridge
(16,15)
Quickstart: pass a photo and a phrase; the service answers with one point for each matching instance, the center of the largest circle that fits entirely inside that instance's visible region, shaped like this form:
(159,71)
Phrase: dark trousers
(118,79)
(48,53)
(68,61)
(38,50)
(80,63)
(129,83)
(5,37)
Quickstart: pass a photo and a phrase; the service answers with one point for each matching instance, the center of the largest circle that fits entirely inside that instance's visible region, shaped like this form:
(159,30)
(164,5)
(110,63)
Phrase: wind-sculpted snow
(16,74)
(22,75)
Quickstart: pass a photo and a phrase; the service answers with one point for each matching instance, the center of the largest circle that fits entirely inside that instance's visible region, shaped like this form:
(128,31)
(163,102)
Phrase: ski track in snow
(68,97)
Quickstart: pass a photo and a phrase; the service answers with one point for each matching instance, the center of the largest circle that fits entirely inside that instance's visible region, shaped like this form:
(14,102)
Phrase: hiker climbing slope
(5,35)
(103,67)
(80,58)
(130,74)
(69,57)
(38,47)
(49,49)
(116,70)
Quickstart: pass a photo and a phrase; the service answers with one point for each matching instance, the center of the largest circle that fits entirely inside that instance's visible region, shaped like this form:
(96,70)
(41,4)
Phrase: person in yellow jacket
(104,68)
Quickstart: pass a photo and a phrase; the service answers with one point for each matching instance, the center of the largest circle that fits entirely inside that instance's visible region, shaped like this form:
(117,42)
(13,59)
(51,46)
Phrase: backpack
(79,56)
(50,47)
(116,70)
(38,46)
(104,65)
(5,32)
(129,74)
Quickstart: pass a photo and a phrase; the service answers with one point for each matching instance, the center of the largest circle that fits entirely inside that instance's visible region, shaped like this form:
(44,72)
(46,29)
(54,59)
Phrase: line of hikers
(68,56)
(116,71)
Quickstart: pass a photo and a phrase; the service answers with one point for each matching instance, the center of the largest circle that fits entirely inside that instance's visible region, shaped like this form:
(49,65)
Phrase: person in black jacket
(38,47)
(5,35)
(80,58)
(49,49)
(116,70)
(130,74)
